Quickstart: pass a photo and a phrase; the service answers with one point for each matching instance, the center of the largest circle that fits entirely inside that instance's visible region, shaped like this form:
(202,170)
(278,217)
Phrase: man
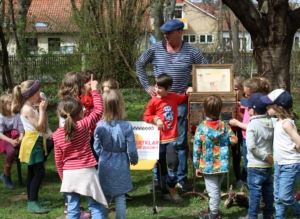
(175,58)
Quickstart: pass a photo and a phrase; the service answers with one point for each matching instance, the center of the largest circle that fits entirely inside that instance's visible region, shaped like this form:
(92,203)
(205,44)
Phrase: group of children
(94,140)
(81,148)
(267,121)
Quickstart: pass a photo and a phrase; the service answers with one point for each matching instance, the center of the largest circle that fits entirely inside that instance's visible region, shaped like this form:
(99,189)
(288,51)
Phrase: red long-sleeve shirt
(165,108)
(77,153)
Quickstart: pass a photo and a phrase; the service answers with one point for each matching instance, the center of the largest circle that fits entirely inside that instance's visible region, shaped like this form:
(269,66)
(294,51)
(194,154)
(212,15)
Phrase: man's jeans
(74,206)
(181,144)
(260,183)
(120,205)
(285,180)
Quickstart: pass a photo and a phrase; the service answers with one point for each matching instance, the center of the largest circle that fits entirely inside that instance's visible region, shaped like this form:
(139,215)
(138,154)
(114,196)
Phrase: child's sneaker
(173,192)
(208,215)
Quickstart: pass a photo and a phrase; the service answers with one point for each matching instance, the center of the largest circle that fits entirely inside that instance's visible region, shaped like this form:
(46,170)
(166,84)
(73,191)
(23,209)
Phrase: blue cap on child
(255,102)
(280,97)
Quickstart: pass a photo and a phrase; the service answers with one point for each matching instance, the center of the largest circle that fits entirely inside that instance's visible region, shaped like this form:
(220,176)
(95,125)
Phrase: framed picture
(213,78)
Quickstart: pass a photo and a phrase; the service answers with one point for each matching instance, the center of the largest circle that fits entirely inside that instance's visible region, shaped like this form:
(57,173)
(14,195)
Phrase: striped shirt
(77,153)
(178,65)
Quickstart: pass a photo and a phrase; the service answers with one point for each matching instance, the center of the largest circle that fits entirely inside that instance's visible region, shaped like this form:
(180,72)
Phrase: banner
(147,140)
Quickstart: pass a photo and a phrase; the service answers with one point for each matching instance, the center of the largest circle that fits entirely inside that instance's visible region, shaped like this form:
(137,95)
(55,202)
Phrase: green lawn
(14,206)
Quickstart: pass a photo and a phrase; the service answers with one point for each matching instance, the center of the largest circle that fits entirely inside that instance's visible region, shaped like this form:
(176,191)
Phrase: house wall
(66,40)
(200,23)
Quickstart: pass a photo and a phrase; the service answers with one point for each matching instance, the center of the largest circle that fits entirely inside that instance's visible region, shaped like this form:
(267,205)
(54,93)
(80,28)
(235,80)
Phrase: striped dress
(178,65)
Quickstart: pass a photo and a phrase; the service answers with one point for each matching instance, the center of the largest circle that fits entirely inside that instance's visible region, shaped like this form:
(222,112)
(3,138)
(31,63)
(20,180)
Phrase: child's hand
(233,122)
(199,174)
(270,159)
(15,142)
(43,106)
(50,136)
(94,83)
(160,125)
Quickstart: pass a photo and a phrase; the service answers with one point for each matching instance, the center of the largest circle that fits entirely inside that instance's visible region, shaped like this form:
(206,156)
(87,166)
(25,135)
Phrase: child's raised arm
(36,120)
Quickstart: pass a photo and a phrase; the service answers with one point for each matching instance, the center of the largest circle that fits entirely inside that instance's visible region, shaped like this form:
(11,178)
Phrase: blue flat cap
(171,25)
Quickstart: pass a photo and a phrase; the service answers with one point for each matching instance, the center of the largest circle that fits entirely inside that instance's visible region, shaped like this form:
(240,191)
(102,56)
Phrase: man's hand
(151,91)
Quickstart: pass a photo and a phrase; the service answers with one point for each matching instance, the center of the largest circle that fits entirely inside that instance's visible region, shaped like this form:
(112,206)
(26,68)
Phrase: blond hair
(17,98)
(4,99)
(258,85)
(109,84)
(113,105)
(212,106)
(71,85)
(69,108)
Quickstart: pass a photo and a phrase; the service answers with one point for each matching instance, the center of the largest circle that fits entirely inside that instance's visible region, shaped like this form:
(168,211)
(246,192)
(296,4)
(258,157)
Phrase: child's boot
(36,208)
(6,176)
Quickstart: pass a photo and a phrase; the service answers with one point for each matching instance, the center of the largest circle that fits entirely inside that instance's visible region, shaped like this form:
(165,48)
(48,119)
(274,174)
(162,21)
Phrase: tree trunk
(274,64)
(235,45)
(158,15)
(272,32)
(7,81)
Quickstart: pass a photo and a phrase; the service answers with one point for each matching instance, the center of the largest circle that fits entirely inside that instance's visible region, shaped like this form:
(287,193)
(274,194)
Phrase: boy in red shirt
(162,111)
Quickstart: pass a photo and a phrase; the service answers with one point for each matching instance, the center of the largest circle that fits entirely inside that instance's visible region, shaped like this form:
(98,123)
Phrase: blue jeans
(168,160)
(260,183)
(120,204)
(285,180)
(74,206)
(182,144)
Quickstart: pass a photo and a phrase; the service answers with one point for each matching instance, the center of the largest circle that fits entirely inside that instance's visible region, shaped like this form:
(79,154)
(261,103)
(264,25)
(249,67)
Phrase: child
(72,86)
(210,156)
(109,84)
(162,111)
(251,86)
(116,148)
(73,155)
(259,140)
(11,134)
(286,151)
(236,149)
(33,146)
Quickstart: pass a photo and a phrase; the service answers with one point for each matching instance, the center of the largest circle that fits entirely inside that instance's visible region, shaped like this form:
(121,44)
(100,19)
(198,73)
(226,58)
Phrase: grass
(14,205)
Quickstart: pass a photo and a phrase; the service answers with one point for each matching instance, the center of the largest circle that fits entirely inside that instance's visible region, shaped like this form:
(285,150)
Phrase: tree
(109,35)
(272,27)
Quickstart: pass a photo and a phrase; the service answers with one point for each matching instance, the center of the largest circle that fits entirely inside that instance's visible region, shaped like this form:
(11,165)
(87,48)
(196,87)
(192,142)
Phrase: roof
(54,14)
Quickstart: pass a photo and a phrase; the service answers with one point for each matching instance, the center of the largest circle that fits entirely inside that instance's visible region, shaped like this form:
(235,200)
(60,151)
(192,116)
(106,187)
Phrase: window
(189,38)
(178,12)
(208,39)
(32,45)
(54,45)
(226,43)
(242,44)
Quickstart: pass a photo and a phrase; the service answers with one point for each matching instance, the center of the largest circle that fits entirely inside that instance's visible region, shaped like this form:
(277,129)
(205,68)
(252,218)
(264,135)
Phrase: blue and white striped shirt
(178,64)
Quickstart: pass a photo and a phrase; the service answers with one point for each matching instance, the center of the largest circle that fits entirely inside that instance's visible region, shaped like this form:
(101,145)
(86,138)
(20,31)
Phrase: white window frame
(179,8)
(189,38)
(206,39)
